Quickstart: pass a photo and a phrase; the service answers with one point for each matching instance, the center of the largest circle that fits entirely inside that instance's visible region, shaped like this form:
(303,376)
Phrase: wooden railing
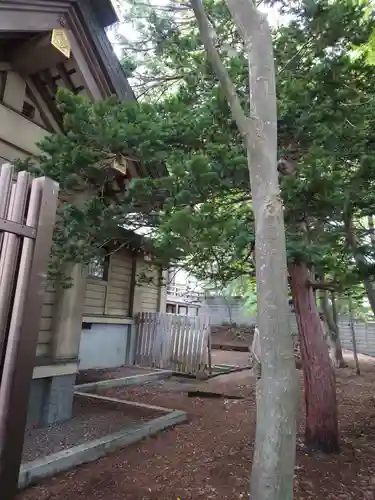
(183,291)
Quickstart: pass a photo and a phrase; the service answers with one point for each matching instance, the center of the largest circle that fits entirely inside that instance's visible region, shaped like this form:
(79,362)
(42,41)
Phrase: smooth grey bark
(354,342)
(274,458)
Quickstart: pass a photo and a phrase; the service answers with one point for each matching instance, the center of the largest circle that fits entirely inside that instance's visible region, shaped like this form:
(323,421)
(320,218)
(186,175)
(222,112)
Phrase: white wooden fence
(174,342)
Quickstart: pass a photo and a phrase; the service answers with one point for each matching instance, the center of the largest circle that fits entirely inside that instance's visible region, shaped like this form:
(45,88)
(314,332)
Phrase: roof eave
(105,12)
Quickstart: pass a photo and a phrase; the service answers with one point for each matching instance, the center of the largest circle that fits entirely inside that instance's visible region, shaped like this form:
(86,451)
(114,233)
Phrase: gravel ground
(87,376)
(210,456)
(91,420)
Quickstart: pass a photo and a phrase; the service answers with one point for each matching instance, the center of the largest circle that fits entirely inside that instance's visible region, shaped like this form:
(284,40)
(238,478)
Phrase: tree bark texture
(333,329)
(370,220)
(336,340)
(321,429)
(273,464)
(274,458)
(336,353)
(354,342)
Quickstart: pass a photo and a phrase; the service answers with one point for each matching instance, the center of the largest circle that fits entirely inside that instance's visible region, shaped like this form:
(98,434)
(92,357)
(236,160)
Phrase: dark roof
(97,15)
(105,12)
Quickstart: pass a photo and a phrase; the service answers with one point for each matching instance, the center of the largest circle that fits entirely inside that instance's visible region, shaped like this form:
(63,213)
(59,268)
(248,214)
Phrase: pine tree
(201,214)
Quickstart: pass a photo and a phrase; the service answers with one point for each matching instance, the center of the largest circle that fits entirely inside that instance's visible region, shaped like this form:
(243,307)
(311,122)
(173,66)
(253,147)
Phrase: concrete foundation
(51,400)
(106,346)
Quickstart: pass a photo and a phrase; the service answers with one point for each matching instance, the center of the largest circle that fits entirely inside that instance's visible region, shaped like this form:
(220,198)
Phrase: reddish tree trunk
(321,431)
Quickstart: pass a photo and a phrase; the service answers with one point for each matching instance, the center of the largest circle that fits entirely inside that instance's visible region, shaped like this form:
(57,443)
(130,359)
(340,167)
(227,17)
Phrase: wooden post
(133,280)
(162,291)
(67,316)
(108,280)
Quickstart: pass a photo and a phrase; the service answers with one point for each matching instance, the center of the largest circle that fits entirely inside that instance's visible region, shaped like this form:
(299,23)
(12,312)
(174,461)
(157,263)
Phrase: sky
(274,18)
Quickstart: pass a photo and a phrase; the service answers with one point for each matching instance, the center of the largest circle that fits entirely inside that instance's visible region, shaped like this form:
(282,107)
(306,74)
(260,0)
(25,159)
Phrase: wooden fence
(27,218)
(173,342)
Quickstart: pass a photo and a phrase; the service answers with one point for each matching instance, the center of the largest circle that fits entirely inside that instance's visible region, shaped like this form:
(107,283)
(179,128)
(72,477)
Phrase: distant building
(47,45)
(185,295)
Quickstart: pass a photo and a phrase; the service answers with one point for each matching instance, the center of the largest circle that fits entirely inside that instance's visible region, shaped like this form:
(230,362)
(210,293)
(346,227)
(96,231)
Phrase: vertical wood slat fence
(27,218)
(173,342)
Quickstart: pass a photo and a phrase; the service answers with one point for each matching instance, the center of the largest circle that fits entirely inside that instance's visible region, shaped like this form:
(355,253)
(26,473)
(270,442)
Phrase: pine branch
(332,286)
(230,92)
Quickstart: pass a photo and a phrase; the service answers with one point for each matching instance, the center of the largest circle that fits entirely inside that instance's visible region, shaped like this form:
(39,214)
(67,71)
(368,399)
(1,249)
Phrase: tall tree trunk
(273,465)
(359,259)
(321,430)
(370,220)
(354,342)
(335,337)
(333,329)
(336,352)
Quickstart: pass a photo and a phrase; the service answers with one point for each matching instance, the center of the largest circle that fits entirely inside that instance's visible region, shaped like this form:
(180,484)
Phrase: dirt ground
(235,358)
(210,456)
(232,335)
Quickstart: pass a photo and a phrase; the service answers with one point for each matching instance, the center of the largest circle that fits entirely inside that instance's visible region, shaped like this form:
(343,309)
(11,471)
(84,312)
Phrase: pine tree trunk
(370,220)
(321,430)
(354,342)
(275,443)
(336,353)
(335,339)
(333,329)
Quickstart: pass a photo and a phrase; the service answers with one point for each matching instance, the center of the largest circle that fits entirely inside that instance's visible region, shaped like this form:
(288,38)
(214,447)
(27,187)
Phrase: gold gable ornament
(60,41)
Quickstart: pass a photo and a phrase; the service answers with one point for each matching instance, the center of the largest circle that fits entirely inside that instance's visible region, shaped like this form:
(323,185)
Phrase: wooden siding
(148,292)
(17,93)
(112,297)
(8,152)
(119,284)
(94,297)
